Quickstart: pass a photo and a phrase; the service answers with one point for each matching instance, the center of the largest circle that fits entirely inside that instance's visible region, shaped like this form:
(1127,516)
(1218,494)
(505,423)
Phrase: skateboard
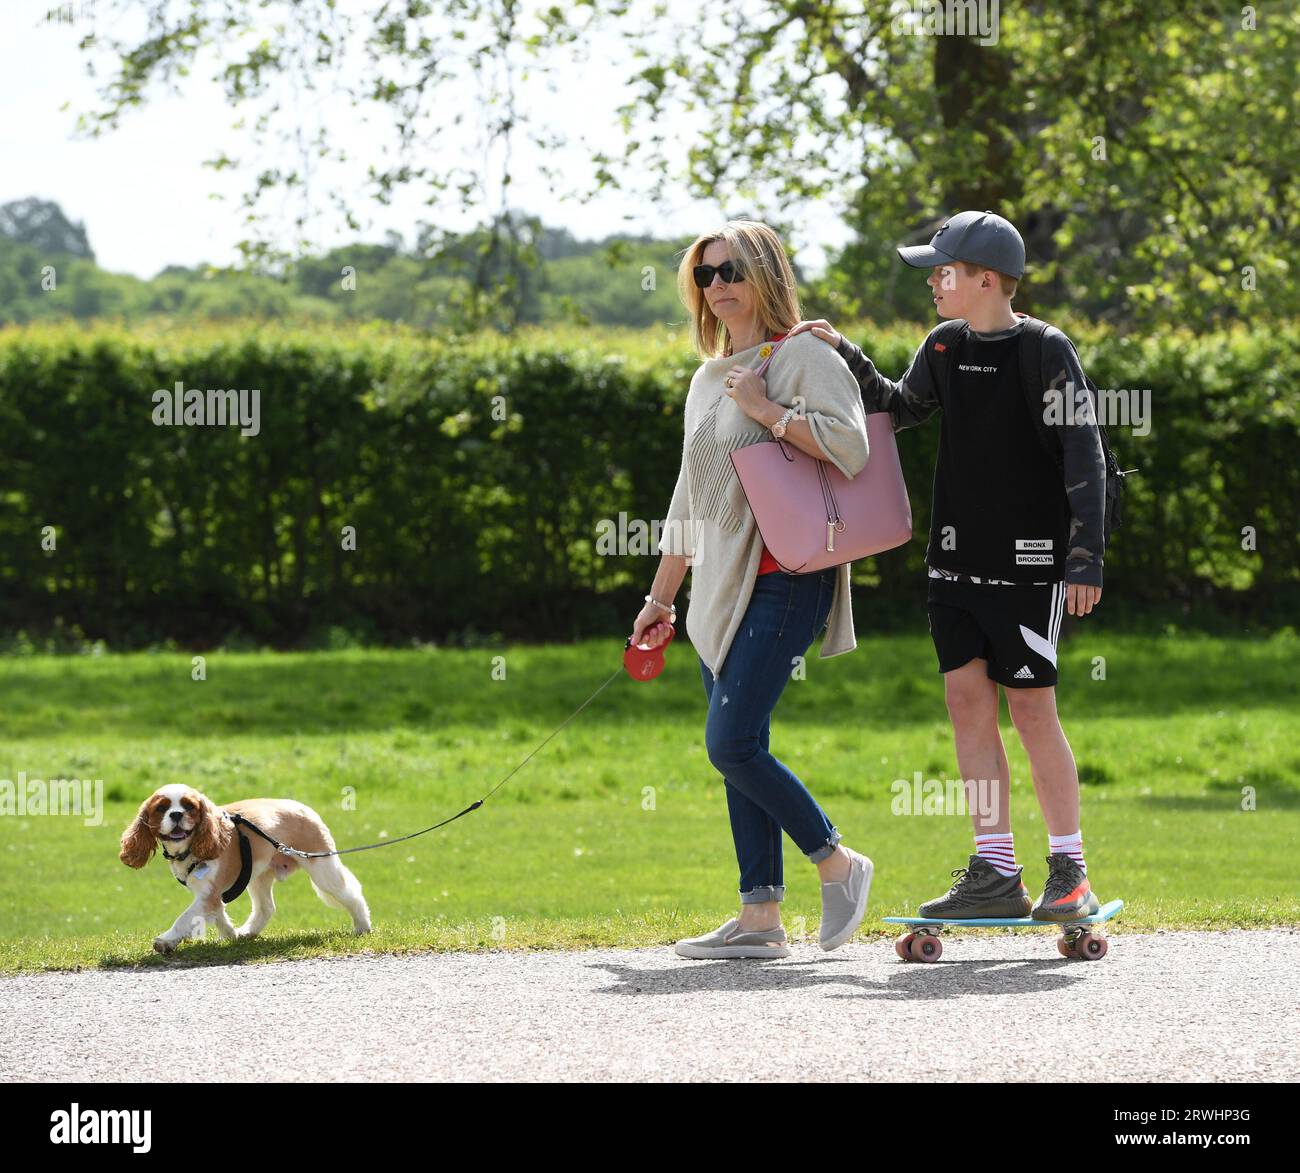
(1076,941)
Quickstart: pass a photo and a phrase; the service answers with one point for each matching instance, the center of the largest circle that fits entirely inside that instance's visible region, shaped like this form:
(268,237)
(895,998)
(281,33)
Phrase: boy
(1016,540)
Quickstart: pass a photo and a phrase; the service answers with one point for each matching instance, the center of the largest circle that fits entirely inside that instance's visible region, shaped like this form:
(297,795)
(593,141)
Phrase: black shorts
(1014,628)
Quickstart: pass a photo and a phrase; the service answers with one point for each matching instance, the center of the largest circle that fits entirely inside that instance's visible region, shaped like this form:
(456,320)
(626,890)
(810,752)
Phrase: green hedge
(466,522)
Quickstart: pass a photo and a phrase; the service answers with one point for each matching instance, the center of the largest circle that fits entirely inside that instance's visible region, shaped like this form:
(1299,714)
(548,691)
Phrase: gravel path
(1171,1006)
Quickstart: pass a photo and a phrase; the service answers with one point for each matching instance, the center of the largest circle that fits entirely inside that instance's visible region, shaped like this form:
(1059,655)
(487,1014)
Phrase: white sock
(1000,850)
(1071,845)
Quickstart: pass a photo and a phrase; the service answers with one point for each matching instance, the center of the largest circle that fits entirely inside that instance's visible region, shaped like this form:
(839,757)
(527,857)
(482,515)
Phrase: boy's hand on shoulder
(821,328)
(1080,599)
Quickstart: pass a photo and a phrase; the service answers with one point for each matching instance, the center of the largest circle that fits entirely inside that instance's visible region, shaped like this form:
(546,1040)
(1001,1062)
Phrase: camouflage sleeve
(910,401)
(1083,461)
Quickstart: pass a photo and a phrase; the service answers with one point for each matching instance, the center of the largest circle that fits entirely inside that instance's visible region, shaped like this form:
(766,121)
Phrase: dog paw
(163,945)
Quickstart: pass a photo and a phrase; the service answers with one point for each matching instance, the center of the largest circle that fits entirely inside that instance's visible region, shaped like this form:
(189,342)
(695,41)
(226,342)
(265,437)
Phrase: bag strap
(1095,396)
(1031,383)
(770,356)
(940,349)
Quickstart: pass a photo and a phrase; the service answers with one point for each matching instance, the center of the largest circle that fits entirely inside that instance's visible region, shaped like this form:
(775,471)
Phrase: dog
(201,843)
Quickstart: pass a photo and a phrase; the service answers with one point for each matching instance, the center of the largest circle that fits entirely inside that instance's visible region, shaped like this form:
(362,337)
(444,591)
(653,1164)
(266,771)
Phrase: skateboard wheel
(926,948)
(1091,948)
(902,944)
(1065,948)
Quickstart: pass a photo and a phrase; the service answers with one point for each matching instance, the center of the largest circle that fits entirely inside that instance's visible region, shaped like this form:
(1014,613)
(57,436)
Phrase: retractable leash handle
(645,663)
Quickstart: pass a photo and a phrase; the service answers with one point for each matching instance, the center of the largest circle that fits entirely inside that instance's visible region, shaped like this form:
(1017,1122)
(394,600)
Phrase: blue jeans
(785,613)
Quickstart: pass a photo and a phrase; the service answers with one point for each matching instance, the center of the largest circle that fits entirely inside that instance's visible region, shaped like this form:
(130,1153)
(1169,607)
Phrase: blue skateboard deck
(1076,940)
(1024,922)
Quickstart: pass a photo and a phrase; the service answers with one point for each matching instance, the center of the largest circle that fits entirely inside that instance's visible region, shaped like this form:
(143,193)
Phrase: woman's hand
(650,628)
(821,328)
(748,391)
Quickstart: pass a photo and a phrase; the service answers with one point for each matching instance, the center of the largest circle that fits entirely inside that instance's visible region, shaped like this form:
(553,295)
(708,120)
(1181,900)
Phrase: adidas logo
(1024,674)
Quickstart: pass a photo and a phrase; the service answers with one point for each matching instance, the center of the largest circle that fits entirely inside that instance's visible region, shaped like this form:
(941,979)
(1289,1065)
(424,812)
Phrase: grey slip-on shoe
(845,904)
(729,941)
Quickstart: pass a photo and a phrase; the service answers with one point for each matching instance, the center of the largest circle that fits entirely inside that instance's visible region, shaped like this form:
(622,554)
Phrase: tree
(42,224)
(1147,148)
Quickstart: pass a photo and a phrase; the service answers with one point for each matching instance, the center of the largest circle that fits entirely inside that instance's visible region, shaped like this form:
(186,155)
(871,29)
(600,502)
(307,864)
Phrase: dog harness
(245,857)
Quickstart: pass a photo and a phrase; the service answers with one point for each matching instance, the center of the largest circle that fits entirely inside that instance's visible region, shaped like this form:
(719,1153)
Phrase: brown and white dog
(200,842)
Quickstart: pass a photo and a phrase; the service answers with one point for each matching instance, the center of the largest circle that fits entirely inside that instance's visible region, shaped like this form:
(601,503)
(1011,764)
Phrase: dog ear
(211,833)
(139,840)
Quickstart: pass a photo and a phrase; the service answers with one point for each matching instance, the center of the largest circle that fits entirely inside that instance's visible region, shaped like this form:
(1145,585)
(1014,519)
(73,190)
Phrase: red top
(767,563)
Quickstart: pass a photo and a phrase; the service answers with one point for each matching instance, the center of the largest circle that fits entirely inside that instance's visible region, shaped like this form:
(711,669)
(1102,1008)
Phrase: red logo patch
(941,346)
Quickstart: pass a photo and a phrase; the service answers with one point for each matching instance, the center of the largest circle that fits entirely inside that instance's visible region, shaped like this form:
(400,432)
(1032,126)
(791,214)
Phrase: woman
(749,620)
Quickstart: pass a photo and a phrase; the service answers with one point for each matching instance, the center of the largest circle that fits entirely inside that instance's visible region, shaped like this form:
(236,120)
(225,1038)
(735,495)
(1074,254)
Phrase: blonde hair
(756,250)
(1007,283)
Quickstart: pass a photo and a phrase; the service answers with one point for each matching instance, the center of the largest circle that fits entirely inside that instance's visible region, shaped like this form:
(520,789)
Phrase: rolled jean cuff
(826,850)
(764,894)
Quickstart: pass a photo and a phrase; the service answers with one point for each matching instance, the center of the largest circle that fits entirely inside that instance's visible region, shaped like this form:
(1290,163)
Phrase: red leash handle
(646,663)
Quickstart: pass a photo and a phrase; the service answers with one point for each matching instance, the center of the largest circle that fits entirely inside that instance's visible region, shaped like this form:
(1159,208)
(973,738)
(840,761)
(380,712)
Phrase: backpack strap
(940,349)
(1032,376)
(1033,385)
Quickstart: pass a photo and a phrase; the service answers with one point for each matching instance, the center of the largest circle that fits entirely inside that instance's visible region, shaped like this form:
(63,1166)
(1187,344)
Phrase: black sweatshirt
(998,497)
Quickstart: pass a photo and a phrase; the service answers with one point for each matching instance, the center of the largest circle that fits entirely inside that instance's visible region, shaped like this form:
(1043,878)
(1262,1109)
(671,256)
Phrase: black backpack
(941,346)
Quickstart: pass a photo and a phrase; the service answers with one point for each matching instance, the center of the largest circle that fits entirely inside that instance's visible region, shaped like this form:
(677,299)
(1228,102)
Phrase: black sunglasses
(727,271)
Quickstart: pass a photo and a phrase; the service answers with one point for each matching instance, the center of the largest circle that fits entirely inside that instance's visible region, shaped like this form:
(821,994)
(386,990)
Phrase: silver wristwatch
(778,428)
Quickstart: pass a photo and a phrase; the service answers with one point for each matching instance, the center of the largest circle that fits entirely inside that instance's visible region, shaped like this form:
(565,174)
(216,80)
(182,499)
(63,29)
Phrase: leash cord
(285,850)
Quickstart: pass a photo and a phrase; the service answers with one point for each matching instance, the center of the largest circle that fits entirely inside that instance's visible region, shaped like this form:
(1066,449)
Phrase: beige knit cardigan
(710,522)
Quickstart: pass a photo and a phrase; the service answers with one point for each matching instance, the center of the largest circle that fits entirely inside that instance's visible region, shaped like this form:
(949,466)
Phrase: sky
(147,201)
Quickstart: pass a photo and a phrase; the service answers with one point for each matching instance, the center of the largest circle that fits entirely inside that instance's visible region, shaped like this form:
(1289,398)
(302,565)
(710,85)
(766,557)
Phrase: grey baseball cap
(983,238)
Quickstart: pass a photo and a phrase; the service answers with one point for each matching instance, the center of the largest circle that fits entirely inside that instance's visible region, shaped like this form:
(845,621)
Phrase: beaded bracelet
(669,607)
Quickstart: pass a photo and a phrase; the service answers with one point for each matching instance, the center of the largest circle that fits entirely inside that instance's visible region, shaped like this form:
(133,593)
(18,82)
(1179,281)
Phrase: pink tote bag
(812,516)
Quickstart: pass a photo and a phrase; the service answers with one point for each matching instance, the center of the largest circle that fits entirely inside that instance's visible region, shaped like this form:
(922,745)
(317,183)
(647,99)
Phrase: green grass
(567,855)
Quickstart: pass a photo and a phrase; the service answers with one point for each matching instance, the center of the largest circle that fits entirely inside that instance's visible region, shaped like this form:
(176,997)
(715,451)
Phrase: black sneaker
(980,891)
(1067,895)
